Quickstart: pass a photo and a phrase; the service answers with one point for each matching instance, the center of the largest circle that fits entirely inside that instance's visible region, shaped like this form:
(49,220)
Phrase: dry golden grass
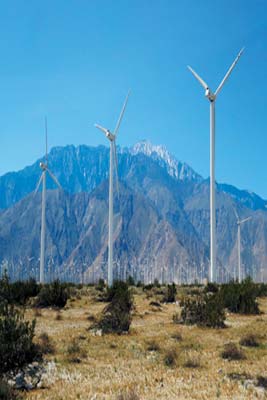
(122,367)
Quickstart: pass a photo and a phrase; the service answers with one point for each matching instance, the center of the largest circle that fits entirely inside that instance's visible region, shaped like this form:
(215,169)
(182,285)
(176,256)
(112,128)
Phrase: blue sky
(74,61)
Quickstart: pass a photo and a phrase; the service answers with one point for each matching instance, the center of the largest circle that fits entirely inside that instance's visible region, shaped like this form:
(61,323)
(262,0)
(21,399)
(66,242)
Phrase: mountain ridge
(161,224)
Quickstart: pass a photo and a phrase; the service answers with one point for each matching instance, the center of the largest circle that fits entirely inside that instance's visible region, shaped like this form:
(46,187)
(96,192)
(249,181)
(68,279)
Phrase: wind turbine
(113,155)
(239,222)
(212,98)
(45,169)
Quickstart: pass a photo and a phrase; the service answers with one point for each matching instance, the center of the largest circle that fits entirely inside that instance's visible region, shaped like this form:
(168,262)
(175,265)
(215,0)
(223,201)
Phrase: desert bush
(17,292)
(54,294)
(156,283)
(73,348)
(240,297)
(205,310)
(262,381)
(232,352)
(7,393)
(116,316)
(130,281)
(170,358)
(249,340)
(75,352)
(262,290)
(16,338)
(152,345)
(169,296)
(192,362)
(58,316)
(91,318)
(211,287)
(101,285)
(45,345)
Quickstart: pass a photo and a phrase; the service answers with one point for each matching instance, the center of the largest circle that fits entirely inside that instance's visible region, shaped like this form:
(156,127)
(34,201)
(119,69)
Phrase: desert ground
(157,359)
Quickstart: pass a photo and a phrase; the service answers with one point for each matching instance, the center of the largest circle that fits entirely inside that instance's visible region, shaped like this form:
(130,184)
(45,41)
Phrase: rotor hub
(210,95)
(110,136)
(43,166)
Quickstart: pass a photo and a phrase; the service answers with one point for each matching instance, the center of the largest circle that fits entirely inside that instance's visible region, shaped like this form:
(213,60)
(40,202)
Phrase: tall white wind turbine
(239,222)
(212,98)
(45,169)
(113,155)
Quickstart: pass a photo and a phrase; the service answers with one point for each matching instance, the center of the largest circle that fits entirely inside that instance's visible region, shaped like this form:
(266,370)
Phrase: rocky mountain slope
(161,219)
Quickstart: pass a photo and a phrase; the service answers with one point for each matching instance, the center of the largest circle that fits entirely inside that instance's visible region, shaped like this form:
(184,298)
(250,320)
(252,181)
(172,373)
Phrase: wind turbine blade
(200,80)
(237,217)
(101,128)
(244,220)
(121,114)
(54,178)
(38,184)
(228,72)
(46,157)
(116,166)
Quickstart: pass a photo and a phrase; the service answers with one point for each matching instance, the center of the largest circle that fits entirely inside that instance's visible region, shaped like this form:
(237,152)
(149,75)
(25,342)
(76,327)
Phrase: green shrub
(262,290)
(232,352)
(101,285)
(170,294)
(241,297)
(116,316)
(148,287)
(17,292)
(205,310)
(211,287)
(54,294)
(7,393)
(16,339)
(130,281)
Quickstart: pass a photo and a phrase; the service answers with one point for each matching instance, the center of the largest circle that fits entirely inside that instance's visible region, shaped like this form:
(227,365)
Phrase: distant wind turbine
(239,222)
(212,98)
(113,155)
(45,169)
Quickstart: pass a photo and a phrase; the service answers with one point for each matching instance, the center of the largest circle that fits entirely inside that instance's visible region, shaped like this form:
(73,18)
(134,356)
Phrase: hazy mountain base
(112,365)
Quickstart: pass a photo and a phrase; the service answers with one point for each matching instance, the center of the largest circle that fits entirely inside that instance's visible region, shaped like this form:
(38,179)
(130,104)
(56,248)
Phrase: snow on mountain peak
(175,168)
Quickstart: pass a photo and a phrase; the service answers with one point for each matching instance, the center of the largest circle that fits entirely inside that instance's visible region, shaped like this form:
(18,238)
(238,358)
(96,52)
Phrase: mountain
(175,168)
(161,220)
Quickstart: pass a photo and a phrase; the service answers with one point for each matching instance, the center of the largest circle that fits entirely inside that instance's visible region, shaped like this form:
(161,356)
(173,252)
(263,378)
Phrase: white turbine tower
(239,222)
(212,98)
(45,169)
(113,155)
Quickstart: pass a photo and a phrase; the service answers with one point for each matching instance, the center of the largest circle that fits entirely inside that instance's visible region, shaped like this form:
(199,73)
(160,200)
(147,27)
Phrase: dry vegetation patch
(116,364)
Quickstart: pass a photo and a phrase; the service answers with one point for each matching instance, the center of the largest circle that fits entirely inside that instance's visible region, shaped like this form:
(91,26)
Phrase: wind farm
(133,228)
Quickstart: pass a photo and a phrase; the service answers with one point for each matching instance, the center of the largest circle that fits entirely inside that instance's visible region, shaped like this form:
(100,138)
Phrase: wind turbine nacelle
(110,136)
(43,166)
(209,95)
